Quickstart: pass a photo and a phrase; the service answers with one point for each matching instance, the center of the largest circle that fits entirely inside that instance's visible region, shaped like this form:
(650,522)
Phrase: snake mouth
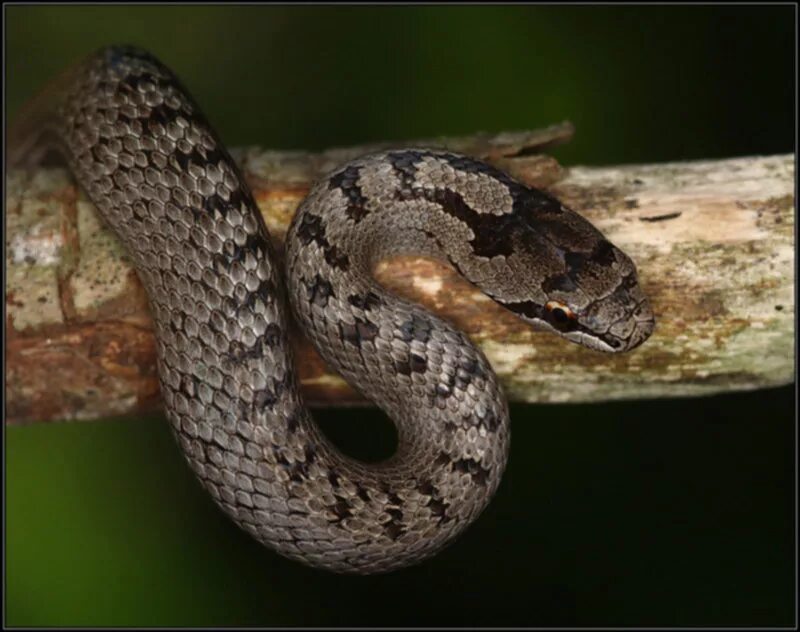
(587,336)
(608,343)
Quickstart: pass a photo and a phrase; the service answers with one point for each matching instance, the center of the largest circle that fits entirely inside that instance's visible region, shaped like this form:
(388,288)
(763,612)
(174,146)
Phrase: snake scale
(160,177)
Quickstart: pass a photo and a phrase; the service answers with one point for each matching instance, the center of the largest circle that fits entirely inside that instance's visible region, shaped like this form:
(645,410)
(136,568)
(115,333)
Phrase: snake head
(614,317)
(586,289)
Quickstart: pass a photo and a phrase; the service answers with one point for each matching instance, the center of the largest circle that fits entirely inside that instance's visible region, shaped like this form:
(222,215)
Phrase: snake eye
(560,316)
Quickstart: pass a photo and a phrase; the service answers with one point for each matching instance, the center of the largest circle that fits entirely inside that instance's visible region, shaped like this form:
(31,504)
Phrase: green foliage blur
(639,83)
(666,513)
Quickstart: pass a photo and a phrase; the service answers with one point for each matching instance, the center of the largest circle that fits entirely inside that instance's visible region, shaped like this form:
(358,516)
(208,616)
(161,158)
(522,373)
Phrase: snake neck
(426,375)
(436,386)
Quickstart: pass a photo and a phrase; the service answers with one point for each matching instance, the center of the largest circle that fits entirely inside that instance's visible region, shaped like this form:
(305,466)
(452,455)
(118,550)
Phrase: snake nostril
(616,344)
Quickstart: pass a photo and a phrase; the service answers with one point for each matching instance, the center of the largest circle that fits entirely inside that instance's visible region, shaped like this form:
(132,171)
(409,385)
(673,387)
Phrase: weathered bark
(713,242)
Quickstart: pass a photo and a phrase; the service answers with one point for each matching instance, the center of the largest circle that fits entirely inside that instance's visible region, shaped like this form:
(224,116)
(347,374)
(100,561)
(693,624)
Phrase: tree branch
(713,242)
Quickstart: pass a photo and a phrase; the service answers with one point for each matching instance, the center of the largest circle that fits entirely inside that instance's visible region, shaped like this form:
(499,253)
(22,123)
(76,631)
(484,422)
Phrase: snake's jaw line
(158,175)
(641,325)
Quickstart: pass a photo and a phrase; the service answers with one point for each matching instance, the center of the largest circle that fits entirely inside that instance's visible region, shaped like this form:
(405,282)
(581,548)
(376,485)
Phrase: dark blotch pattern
(493,235)
(472,467)
(417,328)
(292,423)
(365,302)
(418,363)
(394,528)
(436,504)
(342,509)
(297,470)
(319,291)
(312,229)
(265,292)
(272,335)
(405,165)
(559,283)
(238,352)
(336,258)
(346,181)
(413,364)
(360,331)
(602,255)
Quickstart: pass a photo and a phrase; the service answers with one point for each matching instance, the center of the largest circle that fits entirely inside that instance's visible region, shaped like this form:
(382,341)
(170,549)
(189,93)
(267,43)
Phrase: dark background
(667,512)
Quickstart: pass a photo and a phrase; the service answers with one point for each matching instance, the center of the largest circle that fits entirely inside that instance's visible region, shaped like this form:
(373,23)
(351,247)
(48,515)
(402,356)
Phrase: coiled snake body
(160,177)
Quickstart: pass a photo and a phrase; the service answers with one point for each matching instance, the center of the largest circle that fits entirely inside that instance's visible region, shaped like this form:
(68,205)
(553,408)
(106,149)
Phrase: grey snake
(160,177)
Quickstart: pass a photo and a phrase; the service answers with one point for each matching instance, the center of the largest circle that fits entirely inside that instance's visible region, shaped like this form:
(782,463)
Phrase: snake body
(157,172)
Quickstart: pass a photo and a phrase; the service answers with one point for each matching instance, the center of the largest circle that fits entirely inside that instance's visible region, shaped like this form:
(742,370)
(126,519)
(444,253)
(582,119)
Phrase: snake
(222,300)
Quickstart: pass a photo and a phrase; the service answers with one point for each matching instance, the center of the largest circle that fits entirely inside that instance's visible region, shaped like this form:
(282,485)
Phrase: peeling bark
(713,242)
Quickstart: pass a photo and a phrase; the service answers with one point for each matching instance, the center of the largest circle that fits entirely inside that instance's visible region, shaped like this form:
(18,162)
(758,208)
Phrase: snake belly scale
(160,177)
